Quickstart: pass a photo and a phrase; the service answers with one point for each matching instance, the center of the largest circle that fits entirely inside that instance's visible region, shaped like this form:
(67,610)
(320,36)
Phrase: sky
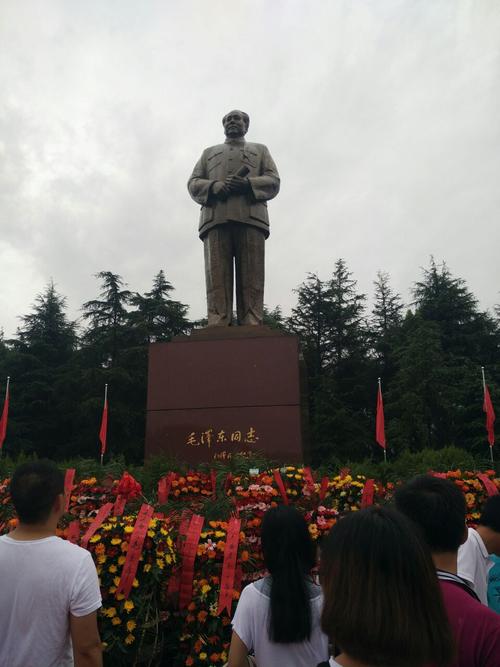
(383,117)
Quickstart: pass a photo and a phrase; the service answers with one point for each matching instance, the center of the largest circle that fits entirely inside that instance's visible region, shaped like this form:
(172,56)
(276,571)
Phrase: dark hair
(34,488)
(438,508)
(490,516)
(289,555)
(383,604)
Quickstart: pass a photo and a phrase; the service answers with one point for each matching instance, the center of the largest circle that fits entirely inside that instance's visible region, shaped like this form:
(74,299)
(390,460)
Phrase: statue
(232,182)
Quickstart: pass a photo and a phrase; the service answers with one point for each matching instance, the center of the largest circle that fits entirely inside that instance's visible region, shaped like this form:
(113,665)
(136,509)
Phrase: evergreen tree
(274,318)
(329,320)
(310,321)
(157,317)
(40,356)
(46,332)
(108,318)
(385,323)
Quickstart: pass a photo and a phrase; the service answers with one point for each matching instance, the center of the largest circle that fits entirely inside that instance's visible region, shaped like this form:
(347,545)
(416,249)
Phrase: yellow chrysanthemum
(121,560)
(116,540)
(129,639)
(131,625)
(95,538)
(112,569)
(116,620)
(147,567)
(128,606)
(128,529)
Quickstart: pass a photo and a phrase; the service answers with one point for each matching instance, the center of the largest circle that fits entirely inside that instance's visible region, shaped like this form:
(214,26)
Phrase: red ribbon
(309,479)
(101,516)
(368,493)
(188,557)
(281,486)
(228,481)
(213,479)
(119,505)
(69,478)
(73,533)
(164,486)
(324,488)
(135,549)
(488,484)
(229,566)
(439,475)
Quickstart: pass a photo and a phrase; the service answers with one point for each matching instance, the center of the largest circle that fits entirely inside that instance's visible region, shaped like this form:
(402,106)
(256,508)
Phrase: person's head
(235,124)
(437,507)
(289,555)
(383,605)
(490,519)
(37,491)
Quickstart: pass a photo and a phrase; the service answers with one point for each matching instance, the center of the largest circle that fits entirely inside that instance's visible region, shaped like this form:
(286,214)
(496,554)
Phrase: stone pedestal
(223,391)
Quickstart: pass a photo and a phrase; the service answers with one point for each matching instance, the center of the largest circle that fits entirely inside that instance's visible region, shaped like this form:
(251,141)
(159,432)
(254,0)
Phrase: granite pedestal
(223,391)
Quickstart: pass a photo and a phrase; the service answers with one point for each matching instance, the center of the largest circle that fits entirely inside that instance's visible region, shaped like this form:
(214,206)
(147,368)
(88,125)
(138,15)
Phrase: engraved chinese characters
(224,443)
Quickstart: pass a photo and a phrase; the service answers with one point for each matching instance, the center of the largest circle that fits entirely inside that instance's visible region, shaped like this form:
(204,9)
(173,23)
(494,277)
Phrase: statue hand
(237,184)
(220,190)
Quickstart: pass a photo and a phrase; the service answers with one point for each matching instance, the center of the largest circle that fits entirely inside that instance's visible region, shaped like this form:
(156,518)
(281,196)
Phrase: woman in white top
(383,606)
(278,617)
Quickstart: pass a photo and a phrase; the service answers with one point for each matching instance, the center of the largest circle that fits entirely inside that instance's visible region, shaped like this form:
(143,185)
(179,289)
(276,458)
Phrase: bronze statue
(232,182)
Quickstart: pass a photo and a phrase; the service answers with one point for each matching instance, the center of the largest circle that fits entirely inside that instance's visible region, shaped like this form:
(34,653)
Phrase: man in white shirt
(474,561)
(50,590)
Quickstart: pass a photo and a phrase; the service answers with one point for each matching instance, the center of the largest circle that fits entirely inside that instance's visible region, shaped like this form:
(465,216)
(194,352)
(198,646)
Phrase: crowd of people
(399,586)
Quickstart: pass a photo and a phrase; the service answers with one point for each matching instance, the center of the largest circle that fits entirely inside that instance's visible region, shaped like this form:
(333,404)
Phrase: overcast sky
(383,117)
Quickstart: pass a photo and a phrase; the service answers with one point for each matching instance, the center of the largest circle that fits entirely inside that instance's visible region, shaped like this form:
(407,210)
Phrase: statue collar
(240,141)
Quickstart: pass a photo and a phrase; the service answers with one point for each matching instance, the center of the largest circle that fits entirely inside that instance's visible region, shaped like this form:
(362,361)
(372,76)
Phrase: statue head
(235,124)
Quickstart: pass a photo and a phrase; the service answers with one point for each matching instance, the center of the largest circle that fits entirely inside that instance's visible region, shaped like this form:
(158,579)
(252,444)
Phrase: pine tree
(108,318)
(40,356)
(329,320)
(157,317)
(385,323)
(46,332)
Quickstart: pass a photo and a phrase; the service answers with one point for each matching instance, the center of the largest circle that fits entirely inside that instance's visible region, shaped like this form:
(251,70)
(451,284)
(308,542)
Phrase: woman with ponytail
(278,617)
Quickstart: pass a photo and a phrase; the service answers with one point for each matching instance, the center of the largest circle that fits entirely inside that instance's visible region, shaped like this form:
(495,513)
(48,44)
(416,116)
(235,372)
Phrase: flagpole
(380,390)
(105,399)
(5,399)
(484,394)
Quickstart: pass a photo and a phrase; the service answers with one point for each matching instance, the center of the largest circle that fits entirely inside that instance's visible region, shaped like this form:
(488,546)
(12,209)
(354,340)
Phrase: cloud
(381,115)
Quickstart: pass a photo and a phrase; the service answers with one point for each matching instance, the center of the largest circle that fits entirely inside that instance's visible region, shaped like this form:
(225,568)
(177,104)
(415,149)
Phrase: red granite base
(221,392)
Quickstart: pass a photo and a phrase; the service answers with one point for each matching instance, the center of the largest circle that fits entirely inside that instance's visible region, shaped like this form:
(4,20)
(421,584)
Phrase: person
(50,590)
(474,562)
(278,617)
(383,607)
(233,182)
(437,507)
(494,585)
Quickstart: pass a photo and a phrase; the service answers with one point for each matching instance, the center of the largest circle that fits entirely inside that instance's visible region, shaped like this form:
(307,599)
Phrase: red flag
(490,415)
(104,423)
(380,426)
(5,416)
